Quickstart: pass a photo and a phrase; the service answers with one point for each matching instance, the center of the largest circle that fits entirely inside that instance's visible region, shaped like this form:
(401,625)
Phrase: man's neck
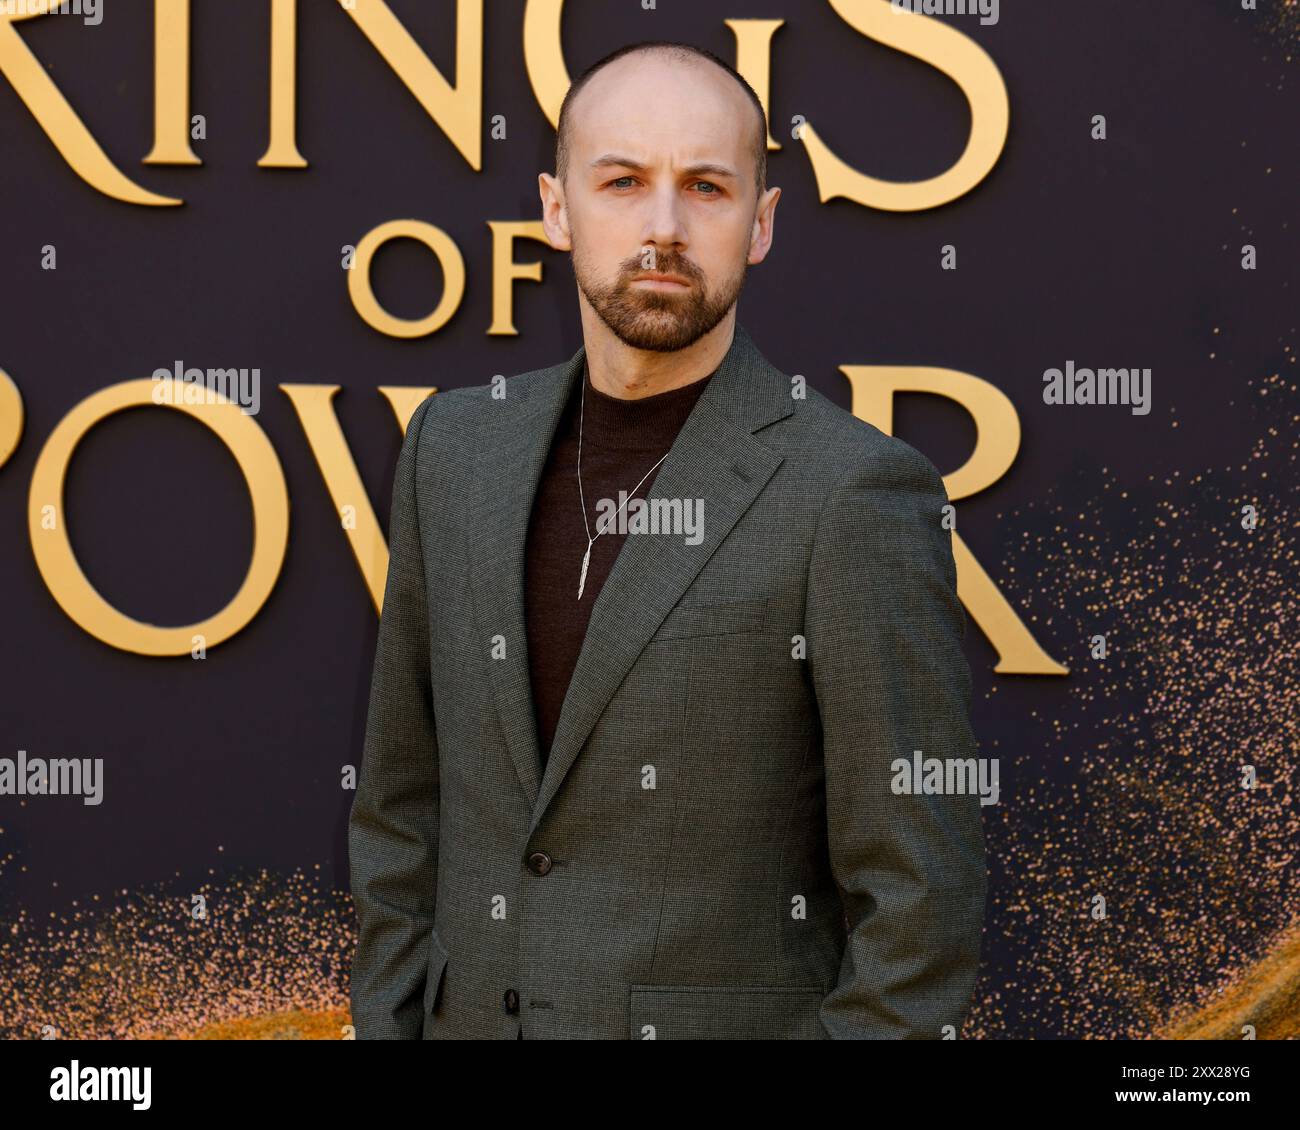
(631,374)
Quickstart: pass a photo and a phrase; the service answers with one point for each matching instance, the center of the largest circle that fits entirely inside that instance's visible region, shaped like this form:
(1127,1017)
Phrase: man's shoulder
(822,443)
(470,401)
(464,413)
(847,450)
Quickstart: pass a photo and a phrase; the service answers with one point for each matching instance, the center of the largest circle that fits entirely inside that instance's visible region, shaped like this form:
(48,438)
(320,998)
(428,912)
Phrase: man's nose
(664,226)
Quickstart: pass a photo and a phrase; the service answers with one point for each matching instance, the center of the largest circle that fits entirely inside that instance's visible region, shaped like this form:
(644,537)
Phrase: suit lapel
(715,458)
(507,472)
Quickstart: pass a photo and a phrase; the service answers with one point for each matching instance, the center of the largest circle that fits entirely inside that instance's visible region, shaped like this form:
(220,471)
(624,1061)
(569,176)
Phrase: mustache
(664,264)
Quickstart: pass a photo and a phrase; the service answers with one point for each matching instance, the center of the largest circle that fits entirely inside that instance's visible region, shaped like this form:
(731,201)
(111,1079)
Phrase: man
(628,780)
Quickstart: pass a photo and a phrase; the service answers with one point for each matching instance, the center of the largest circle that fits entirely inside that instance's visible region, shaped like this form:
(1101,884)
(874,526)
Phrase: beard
(659,321)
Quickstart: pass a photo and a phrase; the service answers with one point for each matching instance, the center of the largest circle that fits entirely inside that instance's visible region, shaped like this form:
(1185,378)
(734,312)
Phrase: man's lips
(662,282)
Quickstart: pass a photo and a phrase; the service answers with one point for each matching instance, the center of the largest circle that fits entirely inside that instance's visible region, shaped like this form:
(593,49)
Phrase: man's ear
(760,240)
(555,216)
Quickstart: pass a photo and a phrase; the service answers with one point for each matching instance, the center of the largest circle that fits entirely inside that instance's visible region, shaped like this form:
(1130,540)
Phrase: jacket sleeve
(393,827)
(884,629)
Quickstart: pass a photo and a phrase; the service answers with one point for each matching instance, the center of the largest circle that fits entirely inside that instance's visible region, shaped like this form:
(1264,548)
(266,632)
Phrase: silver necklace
(586,557)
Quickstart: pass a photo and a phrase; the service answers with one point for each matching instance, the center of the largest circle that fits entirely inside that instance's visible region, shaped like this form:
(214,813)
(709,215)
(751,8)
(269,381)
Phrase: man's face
(661,181)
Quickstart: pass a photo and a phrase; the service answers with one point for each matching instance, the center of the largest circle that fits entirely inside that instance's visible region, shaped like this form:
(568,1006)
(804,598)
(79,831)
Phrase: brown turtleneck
(621,440)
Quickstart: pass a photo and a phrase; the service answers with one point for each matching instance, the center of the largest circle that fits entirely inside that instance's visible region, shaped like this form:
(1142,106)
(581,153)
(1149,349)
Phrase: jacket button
(539,863)
(512,1001)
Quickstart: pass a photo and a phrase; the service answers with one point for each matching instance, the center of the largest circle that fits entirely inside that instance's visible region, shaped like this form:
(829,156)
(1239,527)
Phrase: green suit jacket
(716,847)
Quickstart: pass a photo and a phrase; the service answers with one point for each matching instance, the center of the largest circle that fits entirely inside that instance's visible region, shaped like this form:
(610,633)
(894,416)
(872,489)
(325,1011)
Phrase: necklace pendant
(582,577)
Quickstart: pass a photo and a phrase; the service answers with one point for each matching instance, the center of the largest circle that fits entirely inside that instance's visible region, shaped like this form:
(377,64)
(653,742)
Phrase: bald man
(663,632)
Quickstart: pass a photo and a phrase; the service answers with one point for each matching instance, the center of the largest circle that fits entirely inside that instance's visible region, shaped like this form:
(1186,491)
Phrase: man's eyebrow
(699,168)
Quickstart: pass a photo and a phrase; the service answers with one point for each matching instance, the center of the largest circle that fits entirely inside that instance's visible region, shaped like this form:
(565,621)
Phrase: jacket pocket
(717,619)
(437,967)
(725,1012)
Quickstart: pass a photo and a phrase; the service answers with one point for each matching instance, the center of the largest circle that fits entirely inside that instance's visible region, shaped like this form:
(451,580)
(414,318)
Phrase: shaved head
(683,53)
(660,193)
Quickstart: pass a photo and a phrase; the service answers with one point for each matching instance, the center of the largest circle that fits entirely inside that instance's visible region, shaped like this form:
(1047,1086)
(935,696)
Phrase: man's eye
(616,181)
(713,188)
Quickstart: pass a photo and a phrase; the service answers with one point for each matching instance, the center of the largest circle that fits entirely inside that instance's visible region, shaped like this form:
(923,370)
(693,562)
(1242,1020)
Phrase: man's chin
(666,325)
(659,338)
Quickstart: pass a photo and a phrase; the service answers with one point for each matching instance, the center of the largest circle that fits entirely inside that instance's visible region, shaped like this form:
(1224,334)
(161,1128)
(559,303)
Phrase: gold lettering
(53,552)
(544,56)
(282,151)
(457,109)
(754,61)
(363,295)
(504,268)
(315,409)
(171,85)
(59,120)
(11,417)
(963,61)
